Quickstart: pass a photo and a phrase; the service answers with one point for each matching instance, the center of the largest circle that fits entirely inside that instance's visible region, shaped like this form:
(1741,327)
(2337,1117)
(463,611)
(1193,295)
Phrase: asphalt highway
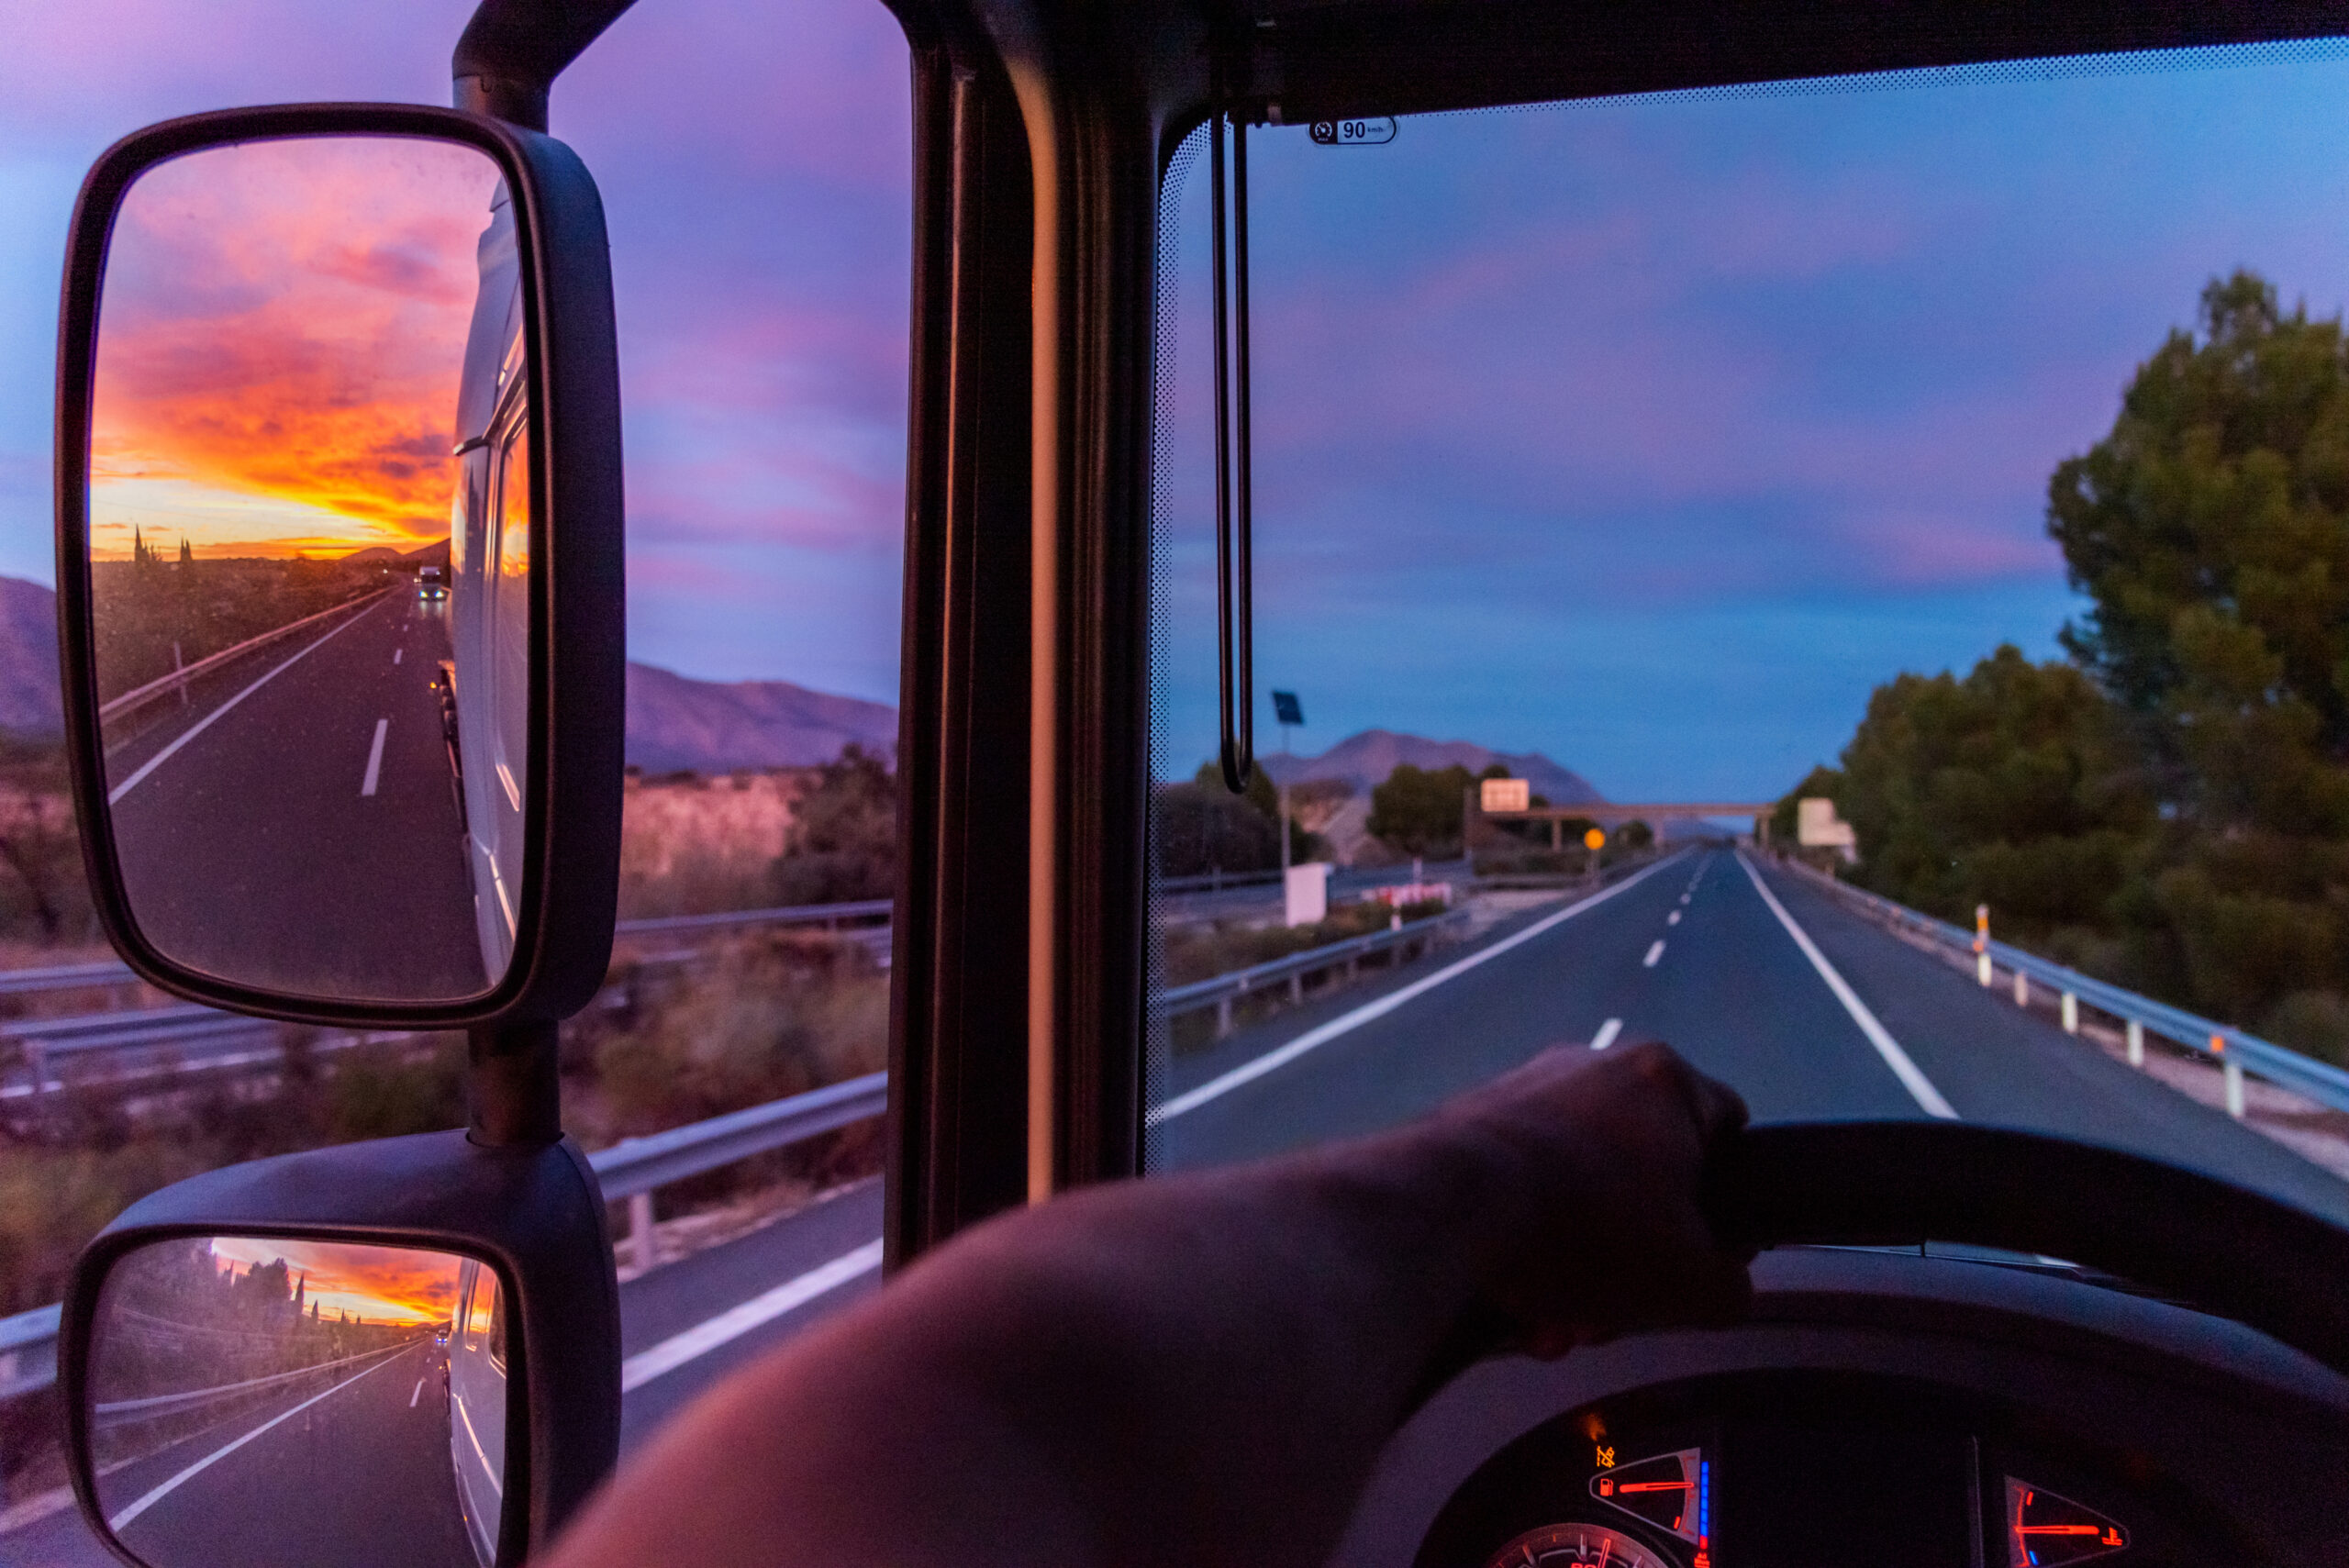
(351,1467)
(1701,950)
(300,804)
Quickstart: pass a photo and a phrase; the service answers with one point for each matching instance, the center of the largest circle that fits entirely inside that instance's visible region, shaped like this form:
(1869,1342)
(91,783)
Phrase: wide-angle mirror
(260,1399)
(310,506)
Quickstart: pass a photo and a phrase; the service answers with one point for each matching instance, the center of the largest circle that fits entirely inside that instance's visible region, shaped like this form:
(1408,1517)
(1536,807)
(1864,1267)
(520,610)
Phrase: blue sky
(1650,434)
(1653,434)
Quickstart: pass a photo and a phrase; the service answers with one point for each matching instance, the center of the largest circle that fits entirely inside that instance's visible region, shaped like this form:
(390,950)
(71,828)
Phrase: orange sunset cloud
(280,340)
(382,1284)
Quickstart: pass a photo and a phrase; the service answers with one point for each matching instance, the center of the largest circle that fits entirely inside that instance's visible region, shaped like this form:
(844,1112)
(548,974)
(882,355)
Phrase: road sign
(1595,839)
(1287,709)
(1507,795)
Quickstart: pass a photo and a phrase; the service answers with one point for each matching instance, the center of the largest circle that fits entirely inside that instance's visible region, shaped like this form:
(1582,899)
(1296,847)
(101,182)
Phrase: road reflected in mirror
(254,1399)
(309,557)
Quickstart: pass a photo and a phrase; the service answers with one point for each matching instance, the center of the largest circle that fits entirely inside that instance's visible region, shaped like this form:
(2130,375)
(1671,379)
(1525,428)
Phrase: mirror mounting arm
(511,51)
(515,1085)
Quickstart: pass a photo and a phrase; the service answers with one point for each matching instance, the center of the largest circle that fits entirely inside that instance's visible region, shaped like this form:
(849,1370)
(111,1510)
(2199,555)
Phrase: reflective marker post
(1982,944)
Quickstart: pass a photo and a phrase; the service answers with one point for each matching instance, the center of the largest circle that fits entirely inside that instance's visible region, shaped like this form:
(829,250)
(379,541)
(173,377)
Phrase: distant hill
(676,724)
(433,554)
(1363,760)
(30,703)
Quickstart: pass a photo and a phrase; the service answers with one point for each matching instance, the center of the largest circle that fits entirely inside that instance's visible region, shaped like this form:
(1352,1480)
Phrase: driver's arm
(1197,1369)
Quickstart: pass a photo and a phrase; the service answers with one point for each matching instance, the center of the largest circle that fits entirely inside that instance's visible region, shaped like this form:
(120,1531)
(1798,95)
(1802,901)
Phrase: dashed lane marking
(1919,1087)
(1654,953)
(1345,1023)
(1673,918)
(1605,1035)
(115,796)
(374,759)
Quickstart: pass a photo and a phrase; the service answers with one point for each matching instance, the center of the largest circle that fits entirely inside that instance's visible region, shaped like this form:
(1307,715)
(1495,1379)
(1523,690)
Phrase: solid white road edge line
(160,757)
(218,1454)
(733,1324)
(1654,952)
(1345,1023)
(374,759)
(1915,1082)
(1605,1035)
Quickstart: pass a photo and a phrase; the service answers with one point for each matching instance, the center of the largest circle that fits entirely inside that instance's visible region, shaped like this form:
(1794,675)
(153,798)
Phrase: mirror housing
(570,790)
(535,1215)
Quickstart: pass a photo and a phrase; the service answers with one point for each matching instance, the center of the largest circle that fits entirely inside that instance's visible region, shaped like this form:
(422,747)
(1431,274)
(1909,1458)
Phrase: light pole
(1287,712)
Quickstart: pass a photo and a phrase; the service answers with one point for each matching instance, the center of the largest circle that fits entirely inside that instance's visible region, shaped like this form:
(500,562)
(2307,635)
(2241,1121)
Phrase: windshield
(1850,578)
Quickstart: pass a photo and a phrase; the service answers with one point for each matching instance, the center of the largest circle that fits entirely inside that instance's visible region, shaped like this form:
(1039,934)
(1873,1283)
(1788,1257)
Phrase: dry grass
(691,845)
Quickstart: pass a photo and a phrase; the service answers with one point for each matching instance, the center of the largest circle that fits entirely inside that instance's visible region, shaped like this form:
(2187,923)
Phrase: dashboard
(1901,1408)
(1812,1467)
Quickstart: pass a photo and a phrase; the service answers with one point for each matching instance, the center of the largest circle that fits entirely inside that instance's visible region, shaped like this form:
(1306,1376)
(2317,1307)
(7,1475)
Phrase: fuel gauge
(2044,1531)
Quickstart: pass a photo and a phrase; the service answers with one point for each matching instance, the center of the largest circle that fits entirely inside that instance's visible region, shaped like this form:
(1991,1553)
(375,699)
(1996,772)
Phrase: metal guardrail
(2232,1049)
(114,972)
(1221,991)
(631,1169)
(178,679)
(637,1165)
(116,1411)
(628,1171)
(28,1349)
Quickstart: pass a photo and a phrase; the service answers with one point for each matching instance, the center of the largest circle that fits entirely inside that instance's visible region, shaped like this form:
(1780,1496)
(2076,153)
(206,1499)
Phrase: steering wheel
(2275,1266)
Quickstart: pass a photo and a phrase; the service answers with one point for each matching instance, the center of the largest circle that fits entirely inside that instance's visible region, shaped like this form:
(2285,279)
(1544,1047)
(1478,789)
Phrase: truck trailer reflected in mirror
(260,1399)
(310,502)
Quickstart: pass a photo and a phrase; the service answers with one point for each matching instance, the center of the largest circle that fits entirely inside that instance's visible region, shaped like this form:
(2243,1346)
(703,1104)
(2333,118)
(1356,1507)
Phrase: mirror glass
(256,1399)
(309,564)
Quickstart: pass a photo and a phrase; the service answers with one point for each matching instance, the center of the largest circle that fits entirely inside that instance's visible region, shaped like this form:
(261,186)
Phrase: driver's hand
(1597,1160)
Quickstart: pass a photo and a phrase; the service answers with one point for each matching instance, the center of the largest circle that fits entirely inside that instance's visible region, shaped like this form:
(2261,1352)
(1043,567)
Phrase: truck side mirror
(431,1377)
(338,563)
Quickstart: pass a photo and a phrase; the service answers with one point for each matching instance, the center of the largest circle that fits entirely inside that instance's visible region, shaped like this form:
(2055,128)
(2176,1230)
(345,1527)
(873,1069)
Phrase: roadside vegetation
(158,611)
(2167,806)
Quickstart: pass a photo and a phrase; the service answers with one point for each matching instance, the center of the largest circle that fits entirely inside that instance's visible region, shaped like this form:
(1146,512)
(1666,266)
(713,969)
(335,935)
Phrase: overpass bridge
(1610,814)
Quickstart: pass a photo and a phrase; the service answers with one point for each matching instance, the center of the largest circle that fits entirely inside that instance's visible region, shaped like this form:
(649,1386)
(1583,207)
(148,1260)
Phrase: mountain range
(674,724)
(1364,759)
(677,724)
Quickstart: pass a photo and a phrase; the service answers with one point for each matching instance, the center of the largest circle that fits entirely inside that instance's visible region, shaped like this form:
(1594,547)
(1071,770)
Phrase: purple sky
(1653,434)
(1650,434)
(755,167)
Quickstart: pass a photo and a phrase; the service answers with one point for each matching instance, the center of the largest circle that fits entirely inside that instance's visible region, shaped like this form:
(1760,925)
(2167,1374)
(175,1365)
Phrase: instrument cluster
(1778,1470)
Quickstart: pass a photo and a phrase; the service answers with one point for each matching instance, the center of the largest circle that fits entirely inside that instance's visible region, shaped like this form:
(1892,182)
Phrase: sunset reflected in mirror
(240,1382)
(309,547)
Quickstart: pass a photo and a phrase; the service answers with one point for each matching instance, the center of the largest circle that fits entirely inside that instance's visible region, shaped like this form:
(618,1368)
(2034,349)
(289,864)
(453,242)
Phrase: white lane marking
(1345,1023)
(1605,1035)
(733,1323)
(1919,1087)
(1683,898)
(160,757)
(218,1454)
(374,759)
(1673,918)
(417,1394)
(395,654)
(1654,953)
